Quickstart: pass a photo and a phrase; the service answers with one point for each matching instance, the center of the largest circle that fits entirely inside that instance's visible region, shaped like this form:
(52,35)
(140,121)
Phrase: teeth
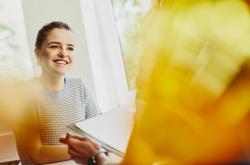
(61,62)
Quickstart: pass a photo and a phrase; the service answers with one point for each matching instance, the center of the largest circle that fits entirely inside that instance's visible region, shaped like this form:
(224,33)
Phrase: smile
(61,61)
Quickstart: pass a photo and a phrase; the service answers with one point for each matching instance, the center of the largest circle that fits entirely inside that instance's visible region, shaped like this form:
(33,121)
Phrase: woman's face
(56,53)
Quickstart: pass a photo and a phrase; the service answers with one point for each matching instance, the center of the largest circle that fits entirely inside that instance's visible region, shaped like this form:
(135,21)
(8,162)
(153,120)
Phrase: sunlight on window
(128,15)
(15,62)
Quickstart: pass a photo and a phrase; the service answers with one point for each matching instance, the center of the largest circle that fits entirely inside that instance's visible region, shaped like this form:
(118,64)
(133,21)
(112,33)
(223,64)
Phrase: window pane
(15,62)
(128,15)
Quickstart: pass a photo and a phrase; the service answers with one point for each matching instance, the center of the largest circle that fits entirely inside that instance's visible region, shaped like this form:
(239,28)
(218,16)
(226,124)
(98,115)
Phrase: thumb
(63,139)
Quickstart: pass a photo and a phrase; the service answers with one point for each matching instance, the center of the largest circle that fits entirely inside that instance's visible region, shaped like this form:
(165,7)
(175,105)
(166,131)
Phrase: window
(111,27)
(128,16)
(15,62)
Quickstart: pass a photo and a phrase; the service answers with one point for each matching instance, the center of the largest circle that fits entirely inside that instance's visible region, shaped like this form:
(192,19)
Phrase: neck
(52,83)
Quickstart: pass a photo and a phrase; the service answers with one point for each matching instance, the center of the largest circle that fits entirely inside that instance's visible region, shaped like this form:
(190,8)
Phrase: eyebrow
(58,43)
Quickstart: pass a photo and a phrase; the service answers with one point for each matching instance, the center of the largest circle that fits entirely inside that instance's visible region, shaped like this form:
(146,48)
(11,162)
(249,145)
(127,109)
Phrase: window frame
(105,54)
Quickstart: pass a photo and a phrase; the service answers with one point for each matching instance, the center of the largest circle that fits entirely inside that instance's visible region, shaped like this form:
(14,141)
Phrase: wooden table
(8,151)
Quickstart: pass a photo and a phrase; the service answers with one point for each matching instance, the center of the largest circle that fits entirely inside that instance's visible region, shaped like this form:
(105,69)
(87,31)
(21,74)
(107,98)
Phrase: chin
(61,72)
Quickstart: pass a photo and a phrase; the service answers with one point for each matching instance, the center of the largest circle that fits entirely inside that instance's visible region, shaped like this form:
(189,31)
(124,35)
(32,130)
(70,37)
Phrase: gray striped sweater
(55,111)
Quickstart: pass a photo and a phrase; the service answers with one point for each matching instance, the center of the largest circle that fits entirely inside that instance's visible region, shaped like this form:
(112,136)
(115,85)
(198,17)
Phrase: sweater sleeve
(91,108)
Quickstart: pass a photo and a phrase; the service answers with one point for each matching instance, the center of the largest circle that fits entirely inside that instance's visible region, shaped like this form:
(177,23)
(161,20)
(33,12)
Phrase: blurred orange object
(193,96)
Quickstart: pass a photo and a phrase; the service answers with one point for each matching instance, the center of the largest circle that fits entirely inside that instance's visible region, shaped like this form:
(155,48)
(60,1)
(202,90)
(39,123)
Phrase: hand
(80,148)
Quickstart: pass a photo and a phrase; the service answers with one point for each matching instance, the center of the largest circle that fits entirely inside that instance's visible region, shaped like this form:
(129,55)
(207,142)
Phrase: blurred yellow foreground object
(193,87)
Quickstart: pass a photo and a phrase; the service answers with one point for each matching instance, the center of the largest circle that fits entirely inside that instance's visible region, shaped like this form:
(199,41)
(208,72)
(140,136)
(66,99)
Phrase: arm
(49,154)
(91,108)
(38,152)
(28,133)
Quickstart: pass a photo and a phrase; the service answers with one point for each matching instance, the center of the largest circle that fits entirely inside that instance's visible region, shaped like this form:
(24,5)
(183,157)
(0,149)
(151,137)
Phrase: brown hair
(43,32)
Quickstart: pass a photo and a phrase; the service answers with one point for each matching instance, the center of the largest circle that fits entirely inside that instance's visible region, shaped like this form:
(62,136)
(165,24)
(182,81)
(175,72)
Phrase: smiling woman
(55,53)
(54,101)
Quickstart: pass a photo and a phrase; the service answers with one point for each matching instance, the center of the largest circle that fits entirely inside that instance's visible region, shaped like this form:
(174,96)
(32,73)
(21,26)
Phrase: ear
(38,56)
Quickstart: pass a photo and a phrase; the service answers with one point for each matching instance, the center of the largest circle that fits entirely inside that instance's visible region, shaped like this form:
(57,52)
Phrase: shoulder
(75,83)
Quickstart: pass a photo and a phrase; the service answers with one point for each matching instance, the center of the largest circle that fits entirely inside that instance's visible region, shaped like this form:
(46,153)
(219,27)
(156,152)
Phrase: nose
(63,52)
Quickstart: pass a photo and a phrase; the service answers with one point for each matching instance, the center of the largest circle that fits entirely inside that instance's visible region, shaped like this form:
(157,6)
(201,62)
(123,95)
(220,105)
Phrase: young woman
(57,101)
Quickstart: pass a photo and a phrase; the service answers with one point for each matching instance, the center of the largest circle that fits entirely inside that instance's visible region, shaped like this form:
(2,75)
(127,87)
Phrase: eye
(54,46)
(70,48)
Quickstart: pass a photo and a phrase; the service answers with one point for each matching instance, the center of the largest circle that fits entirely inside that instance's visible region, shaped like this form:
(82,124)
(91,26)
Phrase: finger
(64,138)
(79,137)
(96,144)
(85,147)
(76,143)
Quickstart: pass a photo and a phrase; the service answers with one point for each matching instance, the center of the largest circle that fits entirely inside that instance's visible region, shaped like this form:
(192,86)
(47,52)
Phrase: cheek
(71,58)
(50,53)
(46,59)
